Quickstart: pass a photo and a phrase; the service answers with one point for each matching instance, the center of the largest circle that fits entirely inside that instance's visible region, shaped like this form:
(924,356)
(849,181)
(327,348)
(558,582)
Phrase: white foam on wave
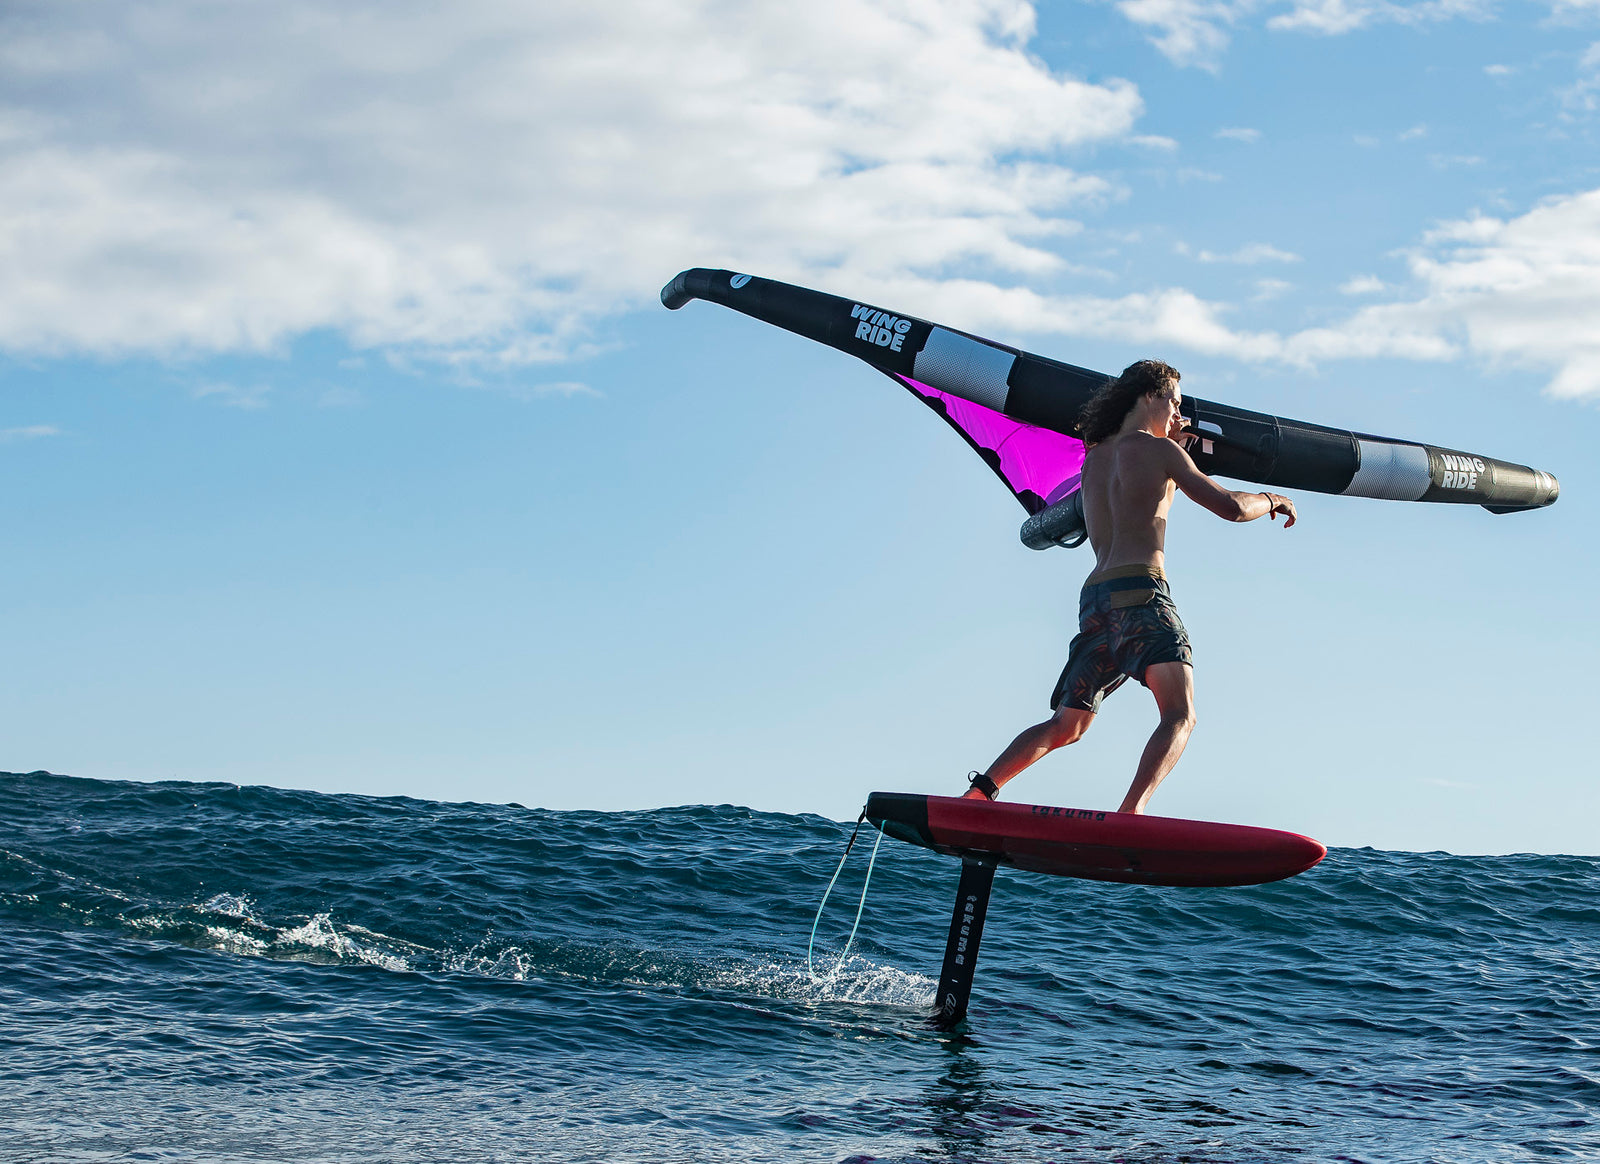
(611,965)
(228,922)
(231,905)
(347,944)
(511,962)
(233,941)
(858,979)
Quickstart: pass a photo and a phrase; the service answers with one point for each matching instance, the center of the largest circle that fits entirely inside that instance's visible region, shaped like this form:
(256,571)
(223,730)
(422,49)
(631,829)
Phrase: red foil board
(1099,846)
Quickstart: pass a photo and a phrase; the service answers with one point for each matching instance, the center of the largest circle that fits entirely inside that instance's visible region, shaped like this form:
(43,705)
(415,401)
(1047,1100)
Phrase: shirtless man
(1128,625)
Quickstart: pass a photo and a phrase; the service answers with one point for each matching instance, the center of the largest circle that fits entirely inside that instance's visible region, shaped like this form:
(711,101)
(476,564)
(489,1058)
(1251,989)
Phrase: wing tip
(676,293)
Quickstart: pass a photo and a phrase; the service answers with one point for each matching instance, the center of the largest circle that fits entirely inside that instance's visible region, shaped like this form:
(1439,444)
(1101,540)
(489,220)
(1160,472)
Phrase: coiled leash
(873,860)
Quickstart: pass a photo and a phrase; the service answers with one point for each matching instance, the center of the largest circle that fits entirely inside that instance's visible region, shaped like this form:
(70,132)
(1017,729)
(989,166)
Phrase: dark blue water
(211,973)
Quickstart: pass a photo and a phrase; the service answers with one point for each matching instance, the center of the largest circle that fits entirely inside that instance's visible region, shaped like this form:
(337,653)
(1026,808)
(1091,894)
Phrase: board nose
(1307,851)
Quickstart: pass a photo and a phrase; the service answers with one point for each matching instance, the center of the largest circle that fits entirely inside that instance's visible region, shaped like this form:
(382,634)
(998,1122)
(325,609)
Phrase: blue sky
(344,444)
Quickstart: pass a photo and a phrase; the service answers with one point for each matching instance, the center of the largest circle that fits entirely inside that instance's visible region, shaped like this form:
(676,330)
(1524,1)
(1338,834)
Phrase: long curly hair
(1110,405)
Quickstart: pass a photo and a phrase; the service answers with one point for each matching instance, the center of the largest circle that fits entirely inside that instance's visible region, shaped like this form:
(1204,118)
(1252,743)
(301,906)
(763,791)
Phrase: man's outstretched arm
(1228,504)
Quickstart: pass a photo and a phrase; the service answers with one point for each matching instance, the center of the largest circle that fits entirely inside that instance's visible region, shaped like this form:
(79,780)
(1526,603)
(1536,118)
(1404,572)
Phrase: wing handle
(1060,524)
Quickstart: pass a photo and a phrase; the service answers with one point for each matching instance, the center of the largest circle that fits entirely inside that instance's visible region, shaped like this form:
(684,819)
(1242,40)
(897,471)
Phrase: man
(1128,625)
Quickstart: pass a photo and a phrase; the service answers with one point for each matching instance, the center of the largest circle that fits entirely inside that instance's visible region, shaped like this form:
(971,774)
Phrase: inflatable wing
(1019,412)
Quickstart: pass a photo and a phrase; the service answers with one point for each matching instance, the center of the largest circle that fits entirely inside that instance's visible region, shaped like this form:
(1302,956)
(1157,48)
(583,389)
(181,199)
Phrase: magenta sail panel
(1040,466)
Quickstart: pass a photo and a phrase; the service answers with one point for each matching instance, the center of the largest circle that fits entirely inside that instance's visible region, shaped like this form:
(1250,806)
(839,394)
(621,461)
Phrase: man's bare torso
(1127,492)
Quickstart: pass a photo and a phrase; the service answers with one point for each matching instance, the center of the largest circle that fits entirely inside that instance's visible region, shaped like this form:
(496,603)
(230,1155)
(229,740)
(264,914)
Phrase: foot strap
(983,784)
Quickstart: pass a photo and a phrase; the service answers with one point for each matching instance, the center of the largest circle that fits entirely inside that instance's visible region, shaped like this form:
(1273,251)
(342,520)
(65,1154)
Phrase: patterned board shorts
(1127,622)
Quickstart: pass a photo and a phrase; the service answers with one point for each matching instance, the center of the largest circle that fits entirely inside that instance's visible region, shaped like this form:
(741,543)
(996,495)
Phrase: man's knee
(1172,684)
(1068,726)
(1180,718)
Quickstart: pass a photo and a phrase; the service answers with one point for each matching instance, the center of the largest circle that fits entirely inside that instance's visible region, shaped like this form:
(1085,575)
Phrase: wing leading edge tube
(1039,398)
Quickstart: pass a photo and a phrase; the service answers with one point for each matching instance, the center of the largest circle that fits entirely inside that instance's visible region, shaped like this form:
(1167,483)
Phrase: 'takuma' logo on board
(879,327)
(1069,813)
(1460,472)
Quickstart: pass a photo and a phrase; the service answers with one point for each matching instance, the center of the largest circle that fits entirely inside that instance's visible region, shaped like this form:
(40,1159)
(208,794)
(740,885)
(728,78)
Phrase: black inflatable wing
(1019,412)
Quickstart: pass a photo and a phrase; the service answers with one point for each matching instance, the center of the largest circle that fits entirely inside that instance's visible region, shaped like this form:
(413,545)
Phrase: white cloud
(1335,17)
(1150,320)
(1187,32)
(1329,17)
(1239,133)
(1581,95)
(1249,255)
(484,181)
(489,182)
(1194,174)
(28,432)
(1362,285)
(1414,133)
(1521,291)
(1196,32)
(1498,70)
(1267,289)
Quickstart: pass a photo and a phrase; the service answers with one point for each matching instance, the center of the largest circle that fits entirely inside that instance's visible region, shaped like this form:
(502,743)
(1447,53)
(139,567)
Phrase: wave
(1382,1006)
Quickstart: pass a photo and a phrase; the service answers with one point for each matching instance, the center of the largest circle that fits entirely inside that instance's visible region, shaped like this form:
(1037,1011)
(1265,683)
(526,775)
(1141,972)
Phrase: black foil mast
(961,947)
(1008,404)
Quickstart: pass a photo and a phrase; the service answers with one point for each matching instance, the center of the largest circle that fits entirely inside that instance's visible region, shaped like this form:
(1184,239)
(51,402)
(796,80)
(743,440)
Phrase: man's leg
(1173,686)
(1065,727)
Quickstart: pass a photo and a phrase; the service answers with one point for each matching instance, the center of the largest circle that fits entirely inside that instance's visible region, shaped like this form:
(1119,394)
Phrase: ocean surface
(202,972)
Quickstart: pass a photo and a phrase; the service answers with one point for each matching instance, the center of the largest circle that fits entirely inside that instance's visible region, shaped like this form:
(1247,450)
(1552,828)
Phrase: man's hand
(1283,505)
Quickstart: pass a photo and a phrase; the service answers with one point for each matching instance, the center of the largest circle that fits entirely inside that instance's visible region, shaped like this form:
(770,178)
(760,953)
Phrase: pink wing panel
(1041,466)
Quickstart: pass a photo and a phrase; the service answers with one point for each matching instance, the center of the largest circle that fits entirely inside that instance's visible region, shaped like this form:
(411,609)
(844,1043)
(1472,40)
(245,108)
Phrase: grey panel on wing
(964,367)
(1397,472)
